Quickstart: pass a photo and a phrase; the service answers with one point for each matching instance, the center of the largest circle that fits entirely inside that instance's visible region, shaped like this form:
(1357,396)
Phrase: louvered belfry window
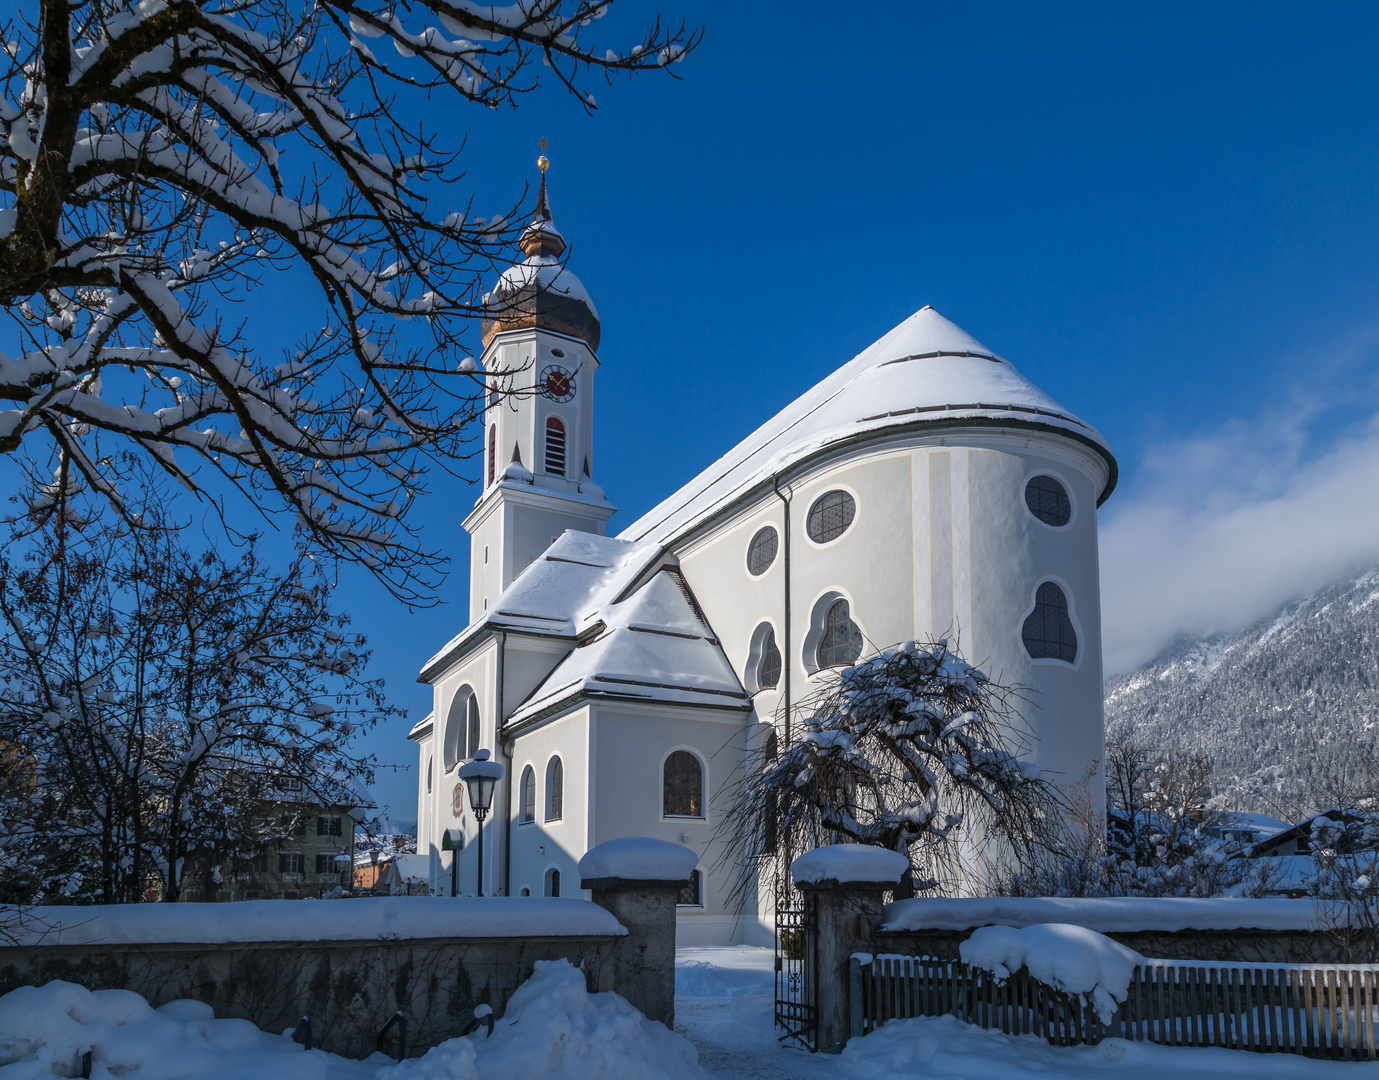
(842,640)
(555,447)
(830,516)
(1048,632)
(1048,500)
(492,452)
(684,786)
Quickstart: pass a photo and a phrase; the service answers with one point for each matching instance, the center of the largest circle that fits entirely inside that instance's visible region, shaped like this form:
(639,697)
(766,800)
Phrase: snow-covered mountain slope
(1274,705)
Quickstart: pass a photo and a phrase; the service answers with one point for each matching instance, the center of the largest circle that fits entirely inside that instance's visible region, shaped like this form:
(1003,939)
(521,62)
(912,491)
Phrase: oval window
(761,552)
(1048,500)
(830,516)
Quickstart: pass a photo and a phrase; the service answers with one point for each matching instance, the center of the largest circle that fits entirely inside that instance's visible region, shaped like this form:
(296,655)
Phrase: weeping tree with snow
(176,175)
(168,713)
(914,750)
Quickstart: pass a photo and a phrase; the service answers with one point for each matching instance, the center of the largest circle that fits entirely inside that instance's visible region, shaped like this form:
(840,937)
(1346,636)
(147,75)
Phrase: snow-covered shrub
(905,750)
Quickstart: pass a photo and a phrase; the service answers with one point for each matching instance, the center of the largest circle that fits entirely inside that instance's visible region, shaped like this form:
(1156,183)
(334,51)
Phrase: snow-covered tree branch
(173,171)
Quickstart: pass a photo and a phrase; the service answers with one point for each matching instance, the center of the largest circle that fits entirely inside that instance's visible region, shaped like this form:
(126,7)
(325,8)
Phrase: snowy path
(724,1002)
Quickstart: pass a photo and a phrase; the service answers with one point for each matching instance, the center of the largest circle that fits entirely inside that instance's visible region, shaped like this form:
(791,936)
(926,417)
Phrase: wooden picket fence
(1321,1010)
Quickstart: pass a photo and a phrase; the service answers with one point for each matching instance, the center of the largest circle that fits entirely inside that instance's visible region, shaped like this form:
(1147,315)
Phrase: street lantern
(341,862)
(481,776)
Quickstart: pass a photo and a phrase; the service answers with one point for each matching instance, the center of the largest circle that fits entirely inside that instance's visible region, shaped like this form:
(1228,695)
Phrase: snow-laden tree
(1160,836)
(165,711)
(173,171)
(912,749)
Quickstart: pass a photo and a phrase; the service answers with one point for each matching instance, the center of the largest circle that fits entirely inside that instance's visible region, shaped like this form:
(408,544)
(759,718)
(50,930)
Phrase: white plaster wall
(542,844)
(477,670)
(630,743)
(942,545)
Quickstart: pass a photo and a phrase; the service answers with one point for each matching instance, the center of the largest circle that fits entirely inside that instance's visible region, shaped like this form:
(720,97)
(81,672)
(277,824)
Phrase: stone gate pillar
(638,880)
(846,883)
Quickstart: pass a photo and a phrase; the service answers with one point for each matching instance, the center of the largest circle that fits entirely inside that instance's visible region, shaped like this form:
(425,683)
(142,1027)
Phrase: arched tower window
(473,724)
(492,452)
(555,446)
(842,639)
(683,786)
(528,789)
(555,790)
(1048,632)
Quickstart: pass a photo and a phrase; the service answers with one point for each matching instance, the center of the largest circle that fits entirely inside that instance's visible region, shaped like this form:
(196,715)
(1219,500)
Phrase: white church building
(925,489)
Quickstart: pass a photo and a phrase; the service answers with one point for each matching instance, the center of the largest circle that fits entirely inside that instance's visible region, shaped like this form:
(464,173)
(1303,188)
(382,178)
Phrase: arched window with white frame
(457,743)
(528,790)
(841,643)
(553,882)
(1047,632)
(472,724)
(555,446)
(555,789)
(682,785)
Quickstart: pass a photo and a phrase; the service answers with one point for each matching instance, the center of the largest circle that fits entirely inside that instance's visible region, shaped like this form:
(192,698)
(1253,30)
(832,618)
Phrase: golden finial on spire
(543,163)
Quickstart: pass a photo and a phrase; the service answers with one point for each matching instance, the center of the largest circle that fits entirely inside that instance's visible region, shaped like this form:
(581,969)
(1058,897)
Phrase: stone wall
(349,989)
(350,965)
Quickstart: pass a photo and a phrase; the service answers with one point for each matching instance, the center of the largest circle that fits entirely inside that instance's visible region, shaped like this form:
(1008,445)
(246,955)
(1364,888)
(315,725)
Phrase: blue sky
(1165,215)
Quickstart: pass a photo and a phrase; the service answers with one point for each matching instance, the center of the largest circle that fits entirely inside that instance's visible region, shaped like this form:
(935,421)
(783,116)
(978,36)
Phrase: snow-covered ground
(554,1030)
(724,1001)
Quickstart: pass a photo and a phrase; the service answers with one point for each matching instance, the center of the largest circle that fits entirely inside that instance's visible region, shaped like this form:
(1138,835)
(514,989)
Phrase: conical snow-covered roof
(925,371)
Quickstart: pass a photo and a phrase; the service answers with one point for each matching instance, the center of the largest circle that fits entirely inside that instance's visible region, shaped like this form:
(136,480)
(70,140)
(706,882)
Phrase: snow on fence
(1319,1010)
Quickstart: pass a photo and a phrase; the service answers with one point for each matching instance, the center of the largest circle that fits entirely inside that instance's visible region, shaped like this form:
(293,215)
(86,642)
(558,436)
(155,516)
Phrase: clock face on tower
(557,383)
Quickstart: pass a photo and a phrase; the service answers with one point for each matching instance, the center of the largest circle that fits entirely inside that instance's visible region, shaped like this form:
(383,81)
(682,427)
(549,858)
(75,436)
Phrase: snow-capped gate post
(847,882)
(638,879)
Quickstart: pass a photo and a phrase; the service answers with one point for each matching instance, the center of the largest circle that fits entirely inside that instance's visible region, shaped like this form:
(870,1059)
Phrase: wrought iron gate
(797,967)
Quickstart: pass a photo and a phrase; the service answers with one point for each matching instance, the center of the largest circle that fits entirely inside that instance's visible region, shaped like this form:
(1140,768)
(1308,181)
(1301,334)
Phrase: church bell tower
(540,333)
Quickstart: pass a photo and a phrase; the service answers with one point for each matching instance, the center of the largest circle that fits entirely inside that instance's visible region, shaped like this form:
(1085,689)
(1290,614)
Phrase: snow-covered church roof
(635,629)
(654,645)
(925,371)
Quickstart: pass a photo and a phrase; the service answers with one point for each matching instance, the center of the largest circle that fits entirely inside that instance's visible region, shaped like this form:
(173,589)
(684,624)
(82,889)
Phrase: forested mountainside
(1275,705)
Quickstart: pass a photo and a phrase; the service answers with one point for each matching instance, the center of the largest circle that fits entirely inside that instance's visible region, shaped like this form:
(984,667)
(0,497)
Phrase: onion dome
(541,291)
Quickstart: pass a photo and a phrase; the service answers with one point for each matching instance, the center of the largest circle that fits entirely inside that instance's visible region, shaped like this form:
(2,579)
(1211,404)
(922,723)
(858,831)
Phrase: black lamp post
(481,776)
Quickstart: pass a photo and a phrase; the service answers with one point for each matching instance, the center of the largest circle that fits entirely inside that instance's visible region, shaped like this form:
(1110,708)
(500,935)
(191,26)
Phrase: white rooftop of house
(925,370)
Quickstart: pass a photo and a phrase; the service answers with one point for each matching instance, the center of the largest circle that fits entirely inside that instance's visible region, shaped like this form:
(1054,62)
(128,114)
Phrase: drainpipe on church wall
(506,746)
(788,652)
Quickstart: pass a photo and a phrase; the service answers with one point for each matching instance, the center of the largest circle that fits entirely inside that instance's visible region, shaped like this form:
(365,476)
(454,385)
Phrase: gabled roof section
(562,592)
(926,370)
(654,646)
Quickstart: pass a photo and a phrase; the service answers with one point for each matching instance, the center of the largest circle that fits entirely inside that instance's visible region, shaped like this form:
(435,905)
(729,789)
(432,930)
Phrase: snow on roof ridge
(865,395)
(679,661)
(576,576)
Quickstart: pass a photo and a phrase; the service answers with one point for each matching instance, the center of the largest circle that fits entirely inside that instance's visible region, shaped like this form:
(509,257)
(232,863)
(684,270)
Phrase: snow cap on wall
(638,858)
(849,863)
